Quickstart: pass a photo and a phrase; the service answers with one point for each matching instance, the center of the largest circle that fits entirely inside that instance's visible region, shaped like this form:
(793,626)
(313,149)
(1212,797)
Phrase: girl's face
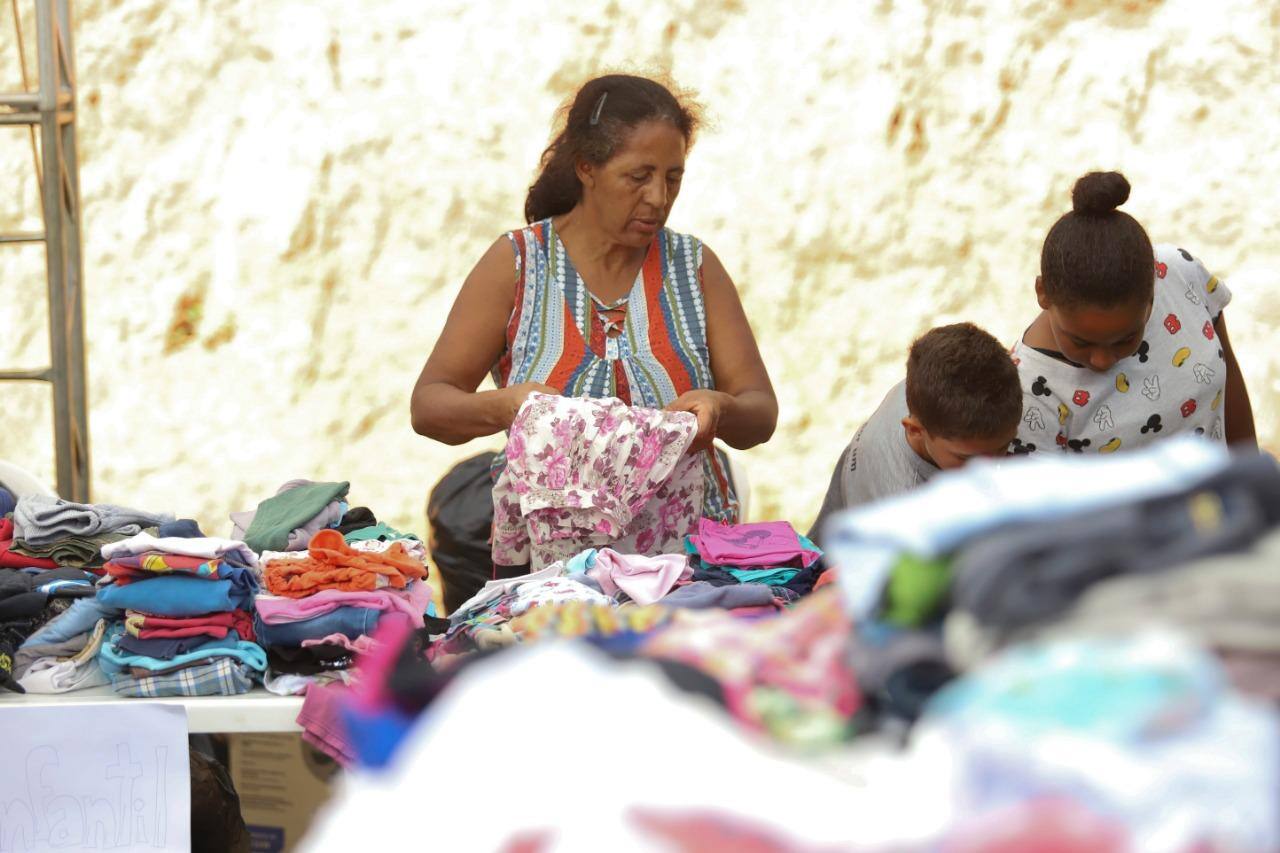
(632,194)
(1097,338)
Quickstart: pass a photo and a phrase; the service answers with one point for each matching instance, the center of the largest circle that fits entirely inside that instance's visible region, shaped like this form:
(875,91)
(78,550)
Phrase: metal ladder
(51,110)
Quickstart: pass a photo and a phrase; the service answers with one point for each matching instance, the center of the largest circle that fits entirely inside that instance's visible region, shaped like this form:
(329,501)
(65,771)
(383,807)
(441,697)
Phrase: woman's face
(1099,337)
(632,194)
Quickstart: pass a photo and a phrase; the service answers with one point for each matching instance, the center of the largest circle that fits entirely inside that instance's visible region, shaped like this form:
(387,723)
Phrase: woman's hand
(513,397)
(708,406)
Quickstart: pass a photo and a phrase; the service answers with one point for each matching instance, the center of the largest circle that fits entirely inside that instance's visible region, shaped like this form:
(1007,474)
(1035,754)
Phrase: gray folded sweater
(43,520)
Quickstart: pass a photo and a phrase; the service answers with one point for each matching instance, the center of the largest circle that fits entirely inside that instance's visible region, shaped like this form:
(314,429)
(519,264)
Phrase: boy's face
(948,453)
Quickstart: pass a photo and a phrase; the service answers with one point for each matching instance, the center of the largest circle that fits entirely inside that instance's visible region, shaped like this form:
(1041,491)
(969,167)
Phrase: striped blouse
(557,335)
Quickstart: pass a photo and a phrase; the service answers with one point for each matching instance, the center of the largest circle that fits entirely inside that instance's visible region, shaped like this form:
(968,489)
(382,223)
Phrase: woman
(596,297)
(1119,357)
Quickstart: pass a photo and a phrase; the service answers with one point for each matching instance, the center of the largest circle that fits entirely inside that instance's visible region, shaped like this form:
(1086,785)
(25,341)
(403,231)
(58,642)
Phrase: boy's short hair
(962,384)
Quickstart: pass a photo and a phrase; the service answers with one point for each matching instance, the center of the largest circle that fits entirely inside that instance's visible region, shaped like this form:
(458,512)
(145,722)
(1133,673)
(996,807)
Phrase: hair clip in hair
(595,113)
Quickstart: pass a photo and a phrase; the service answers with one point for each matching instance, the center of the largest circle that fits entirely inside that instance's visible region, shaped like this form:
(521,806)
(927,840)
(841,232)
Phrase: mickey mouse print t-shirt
(1174,383)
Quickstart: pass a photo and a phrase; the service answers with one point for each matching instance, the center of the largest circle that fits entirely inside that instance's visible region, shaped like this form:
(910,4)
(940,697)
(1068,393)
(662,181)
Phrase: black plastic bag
(216,823)
(460,515)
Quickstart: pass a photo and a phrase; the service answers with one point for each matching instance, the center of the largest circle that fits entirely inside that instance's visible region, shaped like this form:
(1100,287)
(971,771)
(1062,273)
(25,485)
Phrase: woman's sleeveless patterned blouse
(556,335)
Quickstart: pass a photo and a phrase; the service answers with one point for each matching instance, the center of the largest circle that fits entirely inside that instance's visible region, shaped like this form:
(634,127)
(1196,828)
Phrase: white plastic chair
(22,482)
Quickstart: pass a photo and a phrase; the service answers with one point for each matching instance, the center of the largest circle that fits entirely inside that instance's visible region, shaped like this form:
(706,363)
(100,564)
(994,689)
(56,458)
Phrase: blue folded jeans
(349,621)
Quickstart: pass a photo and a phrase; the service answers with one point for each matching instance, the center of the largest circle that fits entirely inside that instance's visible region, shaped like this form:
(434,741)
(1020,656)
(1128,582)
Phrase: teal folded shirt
(771,577)
(380,531)
(778,576)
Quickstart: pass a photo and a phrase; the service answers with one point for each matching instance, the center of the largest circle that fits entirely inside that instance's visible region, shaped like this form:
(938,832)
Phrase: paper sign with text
(94,777)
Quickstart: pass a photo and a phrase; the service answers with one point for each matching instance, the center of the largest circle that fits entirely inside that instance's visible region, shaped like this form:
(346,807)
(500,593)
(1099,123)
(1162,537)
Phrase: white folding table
(256,711)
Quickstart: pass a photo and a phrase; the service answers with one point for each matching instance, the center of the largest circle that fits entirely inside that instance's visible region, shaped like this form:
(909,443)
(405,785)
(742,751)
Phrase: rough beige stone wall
(281,199)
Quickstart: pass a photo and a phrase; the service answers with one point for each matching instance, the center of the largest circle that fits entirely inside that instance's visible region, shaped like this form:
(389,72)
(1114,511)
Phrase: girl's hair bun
(1099,193)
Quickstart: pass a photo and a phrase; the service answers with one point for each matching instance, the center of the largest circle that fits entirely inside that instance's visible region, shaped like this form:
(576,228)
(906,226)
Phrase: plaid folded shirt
(222,677)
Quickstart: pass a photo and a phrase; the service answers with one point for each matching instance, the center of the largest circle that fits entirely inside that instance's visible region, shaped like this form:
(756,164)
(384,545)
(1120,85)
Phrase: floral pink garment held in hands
(589,473)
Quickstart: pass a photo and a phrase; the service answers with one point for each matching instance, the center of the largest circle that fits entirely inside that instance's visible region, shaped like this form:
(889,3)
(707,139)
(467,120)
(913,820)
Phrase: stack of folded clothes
(322,605)
(62,666)
(29,598)
(187,628)
(768,552)
(55,532)
(379,538)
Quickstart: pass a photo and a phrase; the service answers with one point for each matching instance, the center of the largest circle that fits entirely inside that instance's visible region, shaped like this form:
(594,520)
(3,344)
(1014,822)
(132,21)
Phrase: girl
(1119,357)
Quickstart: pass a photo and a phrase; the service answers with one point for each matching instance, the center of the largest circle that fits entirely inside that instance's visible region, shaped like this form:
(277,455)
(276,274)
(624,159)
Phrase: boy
(961,399)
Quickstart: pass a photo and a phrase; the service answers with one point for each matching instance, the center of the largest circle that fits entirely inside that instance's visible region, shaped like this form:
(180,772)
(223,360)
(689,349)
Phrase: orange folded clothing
(331,564)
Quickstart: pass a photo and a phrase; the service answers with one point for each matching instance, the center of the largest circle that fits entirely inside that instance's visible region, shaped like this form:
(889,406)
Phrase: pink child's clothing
(321,722)
(360,645)
(764,544)
(644,579)
(374,667)
(585,473)
(412,601)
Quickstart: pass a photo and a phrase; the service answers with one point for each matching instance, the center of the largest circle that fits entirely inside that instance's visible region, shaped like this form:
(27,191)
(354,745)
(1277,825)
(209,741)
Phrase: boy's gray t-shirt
(877,463)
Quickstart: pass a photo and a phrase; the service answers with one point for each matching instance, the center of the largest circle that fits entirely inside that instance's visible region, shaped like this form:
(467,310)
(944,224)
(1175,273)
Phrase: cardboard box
(282,782)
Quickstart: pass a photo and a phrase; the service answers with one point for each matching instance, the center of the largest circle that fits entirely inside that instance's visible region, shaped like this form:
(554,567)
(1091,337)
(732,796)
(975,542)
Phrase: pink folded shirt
(764,544)
(412,601)
(645,579)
